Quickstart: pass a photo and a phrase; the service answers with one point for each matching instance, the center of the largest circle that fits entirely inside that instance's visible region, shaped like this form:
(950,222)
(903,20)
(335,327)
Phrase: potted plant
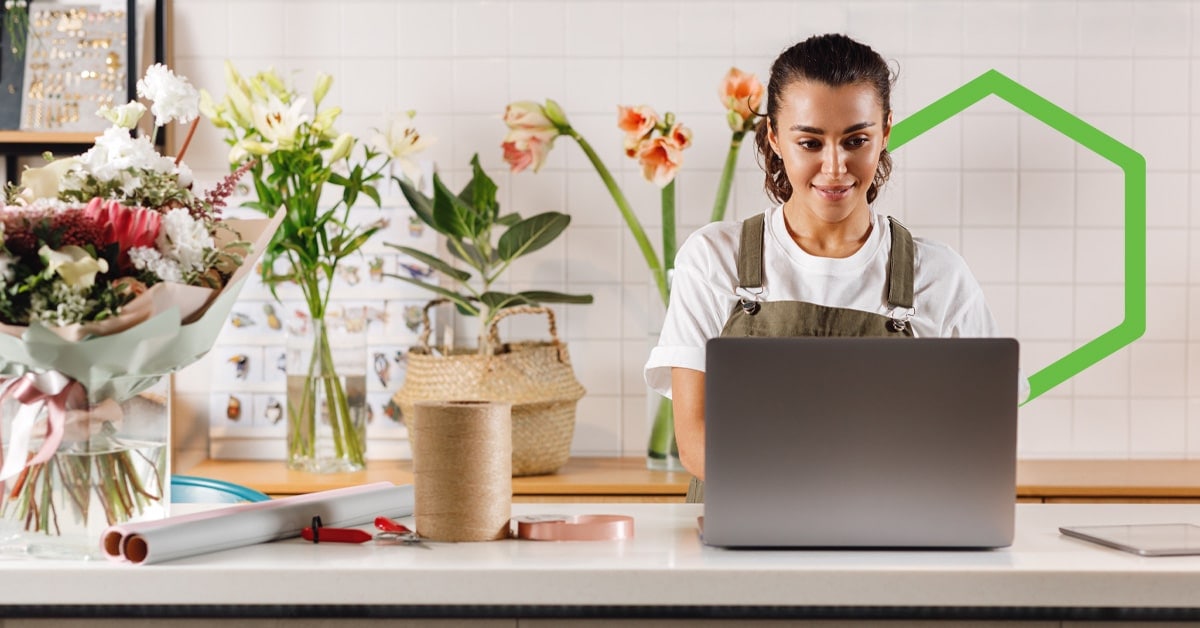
(536,377)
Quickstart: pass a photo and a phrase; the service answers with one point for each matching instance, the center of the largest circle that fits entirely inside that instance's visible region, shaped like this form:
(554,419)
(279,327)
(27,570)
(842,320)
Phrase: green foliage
(470,220)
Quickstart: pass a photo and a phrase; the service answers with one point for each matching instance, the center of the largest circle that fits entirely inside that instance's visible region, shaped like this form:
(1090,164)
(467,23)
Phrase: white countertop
(664,565)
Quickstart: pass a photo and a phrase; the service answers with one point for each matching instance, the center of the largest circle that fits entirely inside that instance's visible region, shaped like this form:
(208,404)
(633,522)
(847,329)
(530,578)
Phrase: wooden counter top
(628,479)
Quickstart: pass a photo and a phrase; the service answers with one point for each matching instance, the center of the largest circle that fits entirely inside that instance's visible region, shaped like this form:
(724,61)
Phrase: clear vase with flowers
(657,143)
(113,273)
(295,156)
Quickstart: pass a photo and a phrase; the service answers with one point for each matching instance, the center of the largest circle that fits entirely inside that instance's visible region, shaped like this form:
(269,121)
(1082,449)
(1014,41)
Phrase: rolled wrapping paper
(150,542)
(462,469)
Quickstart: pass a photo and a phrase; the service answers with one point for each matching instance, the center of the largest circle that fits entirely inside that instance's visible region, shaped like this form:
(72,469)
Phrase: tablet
(1155,539)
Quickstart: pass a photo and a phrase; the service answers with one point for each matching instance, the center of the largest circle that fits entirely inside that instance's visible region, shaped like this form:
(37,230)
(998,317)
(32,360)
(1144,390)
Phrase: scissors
(396,533)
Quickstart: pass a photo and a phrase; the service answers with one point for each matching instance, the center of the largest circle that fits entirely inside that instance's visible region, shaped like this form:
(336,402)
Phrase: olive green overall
(799,318)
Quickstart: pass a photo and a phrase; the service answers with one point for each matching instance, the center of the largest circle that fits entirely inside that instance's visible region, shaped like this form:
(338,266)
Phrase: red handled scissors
(395,532)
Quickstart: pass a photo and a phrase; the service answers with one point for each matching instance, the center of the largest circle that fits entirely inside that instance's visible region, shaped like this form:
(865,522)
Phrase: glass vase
(111,467)
(662,453)
(327,396)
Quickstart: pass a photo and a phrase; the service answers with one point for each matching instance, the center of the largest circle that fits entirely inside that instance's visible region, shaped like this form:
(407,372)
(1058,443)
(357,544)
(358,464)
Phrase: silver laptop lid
(860,442)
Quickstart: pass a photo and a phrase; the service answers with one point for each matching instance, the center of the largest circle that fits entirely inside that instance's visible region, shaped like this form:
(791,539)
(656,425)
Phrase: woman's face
(830,140)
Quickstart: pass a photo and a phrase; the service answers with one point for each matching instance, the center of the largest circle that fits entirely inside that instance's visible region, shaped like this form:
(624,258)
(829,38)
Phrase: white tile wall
(1038,218)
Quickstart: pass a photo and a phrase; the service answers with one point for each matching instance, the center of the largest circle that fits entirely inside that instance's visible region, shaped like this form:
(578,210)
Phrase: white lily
(402,141)
(74,264)
(46,181)
(279,123)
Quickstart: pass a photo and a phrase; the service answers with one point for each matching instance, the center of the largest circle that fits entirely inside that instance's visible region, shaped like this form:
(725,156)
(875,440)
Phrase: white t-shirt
(704,288)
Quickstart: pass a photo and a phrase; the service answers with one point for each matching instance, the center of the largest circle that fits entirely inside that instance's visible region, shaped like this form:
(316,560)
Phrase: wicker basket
(536,377)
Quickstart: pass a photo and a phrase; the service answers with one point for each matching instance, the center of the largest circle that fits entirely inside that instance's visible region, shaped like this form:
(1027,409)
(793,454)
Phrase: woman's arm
(687,397)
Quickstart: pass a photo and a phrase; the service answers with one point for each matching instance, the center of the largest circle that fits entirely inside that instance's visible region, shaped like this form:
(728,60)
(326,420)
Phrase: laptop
(860,442)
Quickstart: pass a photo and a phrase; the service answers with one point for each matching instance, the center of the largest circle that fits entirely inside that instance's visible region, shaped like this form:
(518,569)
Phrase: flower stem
(635,226)
(722,200)
(668,219)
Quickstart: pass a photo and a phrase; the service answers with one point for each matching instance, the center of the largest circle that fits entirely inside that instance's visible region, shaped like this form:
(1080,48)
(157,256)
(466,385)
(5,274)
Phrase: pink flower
(128,227)
(660,159)
(741,93)
(526,147)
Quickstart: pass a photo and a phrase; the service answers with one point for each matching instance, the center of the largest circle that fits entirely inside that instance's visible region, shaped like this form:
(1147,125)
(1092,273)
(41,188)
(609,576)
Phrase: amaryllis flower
(637,122)
(527,115)
(128,227)
(741,94)
(681,135)
(524,148)
(660,158)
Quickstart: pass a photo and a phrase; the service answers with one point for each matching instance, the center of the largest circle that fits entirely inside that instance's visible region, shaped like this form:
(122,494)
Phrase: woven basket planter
(536,377)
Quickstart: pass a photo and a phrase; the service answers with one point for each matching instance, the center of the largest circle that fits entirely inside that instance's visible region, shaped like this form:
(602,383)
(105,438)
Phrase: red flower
(129,227)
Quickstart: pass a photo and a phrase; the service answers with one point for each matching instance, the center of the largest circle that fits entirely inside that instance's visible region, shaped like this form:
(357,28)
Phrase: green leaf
(433,262)
(422,205)
(531,234)
(498,300)
(450,214)
(462,301)
(509,220)
(480,194)
(542,296)
(472,255)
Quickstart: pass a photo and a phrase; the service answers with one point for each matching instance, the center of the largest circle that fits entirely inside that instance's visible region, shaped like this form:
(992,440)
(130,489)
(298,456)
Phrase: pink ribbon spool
(576,528)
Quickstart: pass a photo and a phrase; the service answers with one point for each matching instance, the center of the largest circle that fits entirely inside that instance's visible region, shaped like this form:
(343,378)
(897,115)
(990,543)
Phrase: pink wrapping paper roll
(247,524)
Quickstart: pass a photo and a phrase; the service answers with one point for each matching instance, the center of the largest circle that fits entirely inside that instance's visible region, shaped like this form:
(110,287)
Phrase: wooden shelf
(581,479)
(628,479)
(48,137)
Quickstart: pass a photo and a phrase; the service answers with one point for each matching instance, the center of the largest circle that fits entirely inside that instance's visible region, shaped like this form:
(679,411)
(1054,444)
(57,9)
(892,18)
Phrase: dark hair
(833,60)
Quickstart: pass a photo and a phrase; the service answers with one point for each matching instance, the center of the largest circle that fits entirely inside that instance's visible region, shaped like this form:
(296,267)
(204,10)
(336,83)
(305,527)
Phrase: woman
(821,262)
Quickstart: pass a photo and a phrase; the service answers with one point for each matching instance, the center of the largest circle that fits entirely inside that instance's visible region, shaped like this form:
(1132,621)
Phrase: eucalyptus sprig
(469,221)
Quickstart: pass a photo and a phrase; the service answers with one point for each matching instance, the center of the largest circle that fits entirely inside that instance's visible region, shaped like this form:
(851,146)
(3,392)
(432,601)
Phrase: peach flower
(681,135)
(741,93)
(660,158)
(636,122)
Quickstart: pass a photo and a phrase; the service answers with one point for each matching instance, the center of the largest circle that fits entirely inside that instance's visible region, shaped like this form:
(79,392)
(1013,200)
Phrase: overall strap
(750,252)
(901,266)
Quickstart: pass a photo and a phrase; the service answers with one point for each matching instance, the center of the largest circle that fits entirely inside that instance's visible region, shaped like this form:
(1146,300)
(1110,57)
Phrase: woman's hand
(687,397)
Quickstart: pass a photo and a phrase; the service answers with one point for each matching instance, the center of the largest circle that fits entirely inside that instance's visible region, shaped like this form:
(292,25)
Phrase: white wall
(1039,219)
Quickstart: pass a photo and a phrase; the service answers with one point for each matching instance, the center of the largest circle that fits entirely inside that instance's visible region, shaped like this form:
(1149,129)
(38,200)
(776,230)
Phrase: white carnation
(173,96)
(184,239)
(116,152)
(149,259)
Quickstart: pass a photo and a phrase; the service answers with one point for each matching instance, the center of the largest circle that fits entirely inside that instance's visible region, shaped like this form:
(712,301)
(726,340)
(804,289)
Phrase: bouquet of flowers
(113,273)
(657,143)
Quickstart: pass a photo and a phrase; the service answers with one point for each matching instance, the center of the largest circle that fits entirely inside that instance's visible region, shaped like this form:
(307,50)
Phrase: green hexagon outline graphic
(1129,160)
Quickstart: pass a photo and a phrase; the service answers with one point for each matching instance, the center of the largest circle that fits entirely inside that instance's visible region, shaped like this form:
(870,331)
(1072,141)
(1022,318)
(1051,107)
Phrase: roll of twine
(462,469)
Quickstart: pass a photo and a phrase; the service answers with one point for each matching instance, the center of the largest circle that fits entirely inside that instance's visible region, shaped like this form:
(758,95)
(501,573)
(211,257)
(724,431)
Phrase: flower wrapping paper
(161,331)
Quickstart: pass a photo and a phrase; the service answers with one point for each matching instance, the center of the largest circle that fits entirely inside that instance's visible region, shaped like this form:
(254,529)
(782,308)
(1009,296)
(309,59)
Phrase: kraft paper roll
(462,469)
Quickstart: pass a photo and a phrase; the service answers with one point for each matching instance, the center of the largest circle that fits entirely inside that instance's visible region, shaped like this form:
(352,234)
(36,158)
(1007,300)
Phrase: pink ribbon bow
(33,390)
